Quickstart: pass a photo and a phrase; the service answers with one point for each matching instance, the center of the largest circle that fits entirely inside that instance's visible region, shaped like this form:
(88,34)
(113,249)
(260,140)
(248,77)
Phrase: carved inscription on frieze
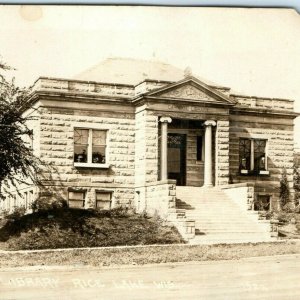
(188,108)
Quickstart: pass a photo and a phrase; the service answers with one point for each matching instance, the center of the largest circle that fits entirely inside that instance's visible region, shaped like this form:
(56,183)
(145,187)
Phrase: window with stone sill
(252,157)
(89,147)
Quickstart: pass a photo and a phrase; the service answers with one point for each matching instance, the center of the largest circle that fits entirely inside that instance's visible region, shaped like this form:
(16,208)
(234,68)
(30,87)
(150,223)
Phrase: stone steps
(218,218)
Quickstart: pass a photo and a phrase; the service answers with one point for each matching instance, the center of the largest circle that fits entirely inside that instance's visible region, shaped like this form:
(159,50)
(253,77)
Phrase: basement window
(262,203)
(103,200)
(76,199)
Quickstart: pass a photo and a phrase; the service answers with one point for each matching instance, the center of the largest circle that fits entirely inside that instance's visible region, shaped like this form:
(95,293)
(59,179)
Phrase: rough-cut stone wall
(264,103)
(149,85)
(161,197)
(146,148)
(222,153)
(57,148)
(140,148)
(280,145)
(146,155)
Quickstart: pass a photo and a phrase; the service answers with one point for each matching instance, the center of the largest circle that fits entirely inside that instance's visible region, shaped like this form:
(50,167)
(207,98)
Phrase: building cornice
(259,98)
(144,99)
(84,81)
(78,97)
(263,112)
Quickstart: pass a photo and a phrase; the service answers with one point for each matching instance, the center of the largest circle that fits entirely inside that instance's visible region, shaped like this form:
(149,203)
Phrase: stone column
(208,153)
(164,147)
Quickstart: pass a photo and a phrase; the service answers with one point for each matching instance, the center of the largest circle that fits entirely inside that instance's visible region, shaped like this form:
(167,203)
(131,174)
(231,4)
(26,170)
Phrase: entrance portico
(182,138)
(173,143)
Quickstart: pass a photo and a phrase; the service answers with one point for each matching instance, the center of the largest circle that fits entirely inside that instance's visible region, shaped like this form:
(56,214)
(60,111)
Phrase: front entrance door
(177,157)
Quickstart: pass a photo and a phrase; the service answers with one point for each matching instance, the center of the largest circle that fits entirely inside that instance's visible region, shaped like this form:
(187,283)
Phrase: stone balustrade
(71,86)
(126,90)
(264,103)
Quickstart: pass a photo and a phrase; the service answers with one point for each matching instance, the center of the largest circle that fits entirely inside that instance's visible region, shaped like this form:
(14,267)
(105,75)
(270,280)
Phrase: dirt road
(274,277)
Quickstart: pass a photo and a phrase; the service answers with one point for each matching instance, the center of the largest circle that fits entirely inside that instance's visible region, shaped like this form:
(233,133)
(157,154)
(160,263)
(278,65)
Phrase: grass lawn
(139,255)
(68,228)
(77,228)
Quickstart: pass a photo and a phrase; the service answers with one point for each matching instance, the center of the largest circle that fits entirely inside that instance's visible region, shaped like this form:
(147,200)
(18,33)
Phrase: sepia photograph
(149,152)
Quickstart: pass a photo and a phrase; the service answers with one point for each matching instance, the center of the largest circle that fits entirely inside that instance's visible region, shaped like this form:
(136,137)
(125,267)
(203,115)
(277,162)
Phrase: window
(245,154)
(259,155)
(253,159)
(30,198)
(8,202)
(76,199)
(200,148)
(14,201)
(103,200)
(262,203)
(89,146)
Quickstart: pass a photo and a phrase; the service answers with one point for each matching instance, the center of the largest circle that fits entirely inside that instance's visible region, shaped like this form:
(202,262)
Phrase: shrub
(265,215)
(296,178)
(4,213)
(297,218)
(45,204)
(285,217)
(289,207)
(284,190)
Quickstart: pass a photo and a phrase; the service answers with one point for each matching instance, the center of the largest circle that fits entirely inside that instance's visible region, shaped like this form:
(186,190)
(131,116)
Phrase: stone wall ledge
(156,183)
(264,111)
(237,185)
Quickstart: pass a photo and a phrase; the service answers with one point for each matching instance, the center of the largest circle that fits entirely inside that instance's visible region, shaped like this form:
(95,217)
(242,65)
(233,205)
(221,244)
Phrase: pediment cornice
(188,89)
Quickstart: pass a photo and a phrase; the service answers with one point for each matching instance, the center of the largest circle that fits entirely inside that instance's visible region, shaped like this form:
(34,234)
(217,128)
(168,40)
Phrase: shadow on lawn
(66,227)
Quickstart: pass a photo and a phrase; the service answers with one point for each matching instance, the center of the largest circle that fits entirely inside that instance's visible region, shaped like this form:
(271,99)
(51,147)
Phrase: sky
(253,51)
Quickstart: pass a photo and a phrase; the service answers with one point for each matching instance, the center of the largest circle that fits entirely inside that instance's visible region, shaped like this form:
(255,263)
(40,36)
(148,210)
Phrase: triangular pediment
(191,89)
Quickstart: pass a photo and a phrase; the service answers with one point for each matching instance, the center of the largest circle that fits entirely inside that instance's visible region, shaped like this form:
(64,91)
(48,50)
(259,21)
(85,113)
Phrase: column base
(210,185)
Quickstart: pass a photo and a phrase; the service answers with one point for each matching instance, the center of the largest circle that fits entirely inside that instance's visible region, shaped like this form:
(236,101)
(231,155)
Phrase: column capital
(165,120)
(210,123)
